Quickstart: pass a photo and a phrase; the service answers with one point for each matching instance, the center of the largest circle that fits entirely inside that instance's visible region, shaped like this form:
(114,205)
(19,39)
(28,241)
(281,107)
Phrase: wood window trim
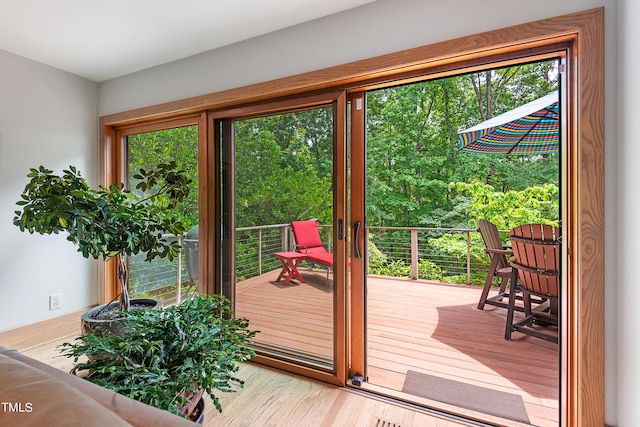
(582,364)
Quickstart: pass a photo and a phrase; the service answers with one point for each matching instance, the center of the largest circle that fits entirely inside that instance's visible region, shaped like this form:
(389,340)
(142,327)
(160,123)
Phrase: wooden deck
(294,318)
(427,327)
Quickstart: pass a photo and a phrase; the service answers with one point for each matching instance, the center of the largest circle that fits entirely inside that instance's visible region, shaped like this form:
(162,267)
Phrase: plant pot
(191,409)
(89,320)
(197,416)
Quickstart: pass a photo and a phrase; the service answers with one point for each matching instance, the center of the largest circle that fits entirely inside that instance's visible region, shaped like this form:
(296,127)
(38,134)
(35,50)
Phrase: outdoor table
(290,262)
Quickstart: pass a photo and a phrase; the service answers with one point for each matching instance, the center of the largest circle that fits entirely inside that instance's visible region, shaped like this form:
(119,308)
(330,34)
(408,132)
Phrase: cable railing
(454,255)
(443,254)
(162,279)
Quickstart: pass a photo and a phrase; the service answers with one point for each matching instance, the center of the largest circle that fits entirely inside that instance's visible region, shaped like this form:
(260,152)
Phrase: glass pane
(284,174)
(426,261)
(168,281)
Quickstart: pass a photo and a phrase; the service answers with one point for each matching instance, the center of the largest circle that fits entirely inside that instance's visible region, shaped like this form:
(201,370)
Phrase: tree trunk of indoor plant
(123,278)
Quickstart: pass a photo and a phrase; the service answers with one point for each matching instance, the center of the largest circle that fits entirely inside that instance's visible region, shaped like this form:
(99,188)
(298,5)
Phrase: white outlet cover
(55,301)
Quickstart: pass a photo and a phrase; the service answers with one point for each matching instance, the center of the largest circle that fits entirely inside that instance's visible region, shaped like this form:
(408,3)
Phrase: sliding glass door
(279,166)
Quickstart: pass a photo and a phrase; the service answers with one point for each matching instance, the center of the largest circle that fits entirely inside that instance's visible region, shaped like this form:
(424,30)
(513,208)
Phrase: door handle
(356,232)
(340,229)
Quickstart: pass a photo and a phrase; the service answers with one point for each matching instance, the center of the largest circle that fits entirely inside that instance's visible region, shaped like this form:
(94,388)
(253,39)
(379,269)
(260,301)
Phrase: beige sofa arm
(34,394)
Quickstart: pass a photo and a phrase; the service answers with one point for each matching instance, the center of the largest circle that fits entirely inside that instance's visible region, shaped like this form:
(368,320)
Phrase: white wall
(391,25)
(381,27)
(624,176)
(47,117)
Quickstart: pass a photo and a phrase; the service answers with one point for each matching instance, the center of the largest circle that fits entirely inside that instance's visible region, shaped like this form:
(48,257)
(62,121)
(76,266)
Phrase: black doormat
(475,398)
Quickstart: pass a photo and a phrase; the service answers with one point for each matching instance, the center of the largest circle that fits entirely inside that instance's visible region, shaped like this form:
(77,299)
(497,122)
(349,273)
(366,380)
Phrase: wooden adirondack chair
(536,271)
(499,266)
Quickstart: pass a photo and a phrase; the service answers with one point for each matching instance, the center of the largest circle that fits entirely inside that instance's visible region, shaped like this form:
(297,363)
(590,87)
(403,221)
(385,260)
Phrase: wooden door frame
(582,365)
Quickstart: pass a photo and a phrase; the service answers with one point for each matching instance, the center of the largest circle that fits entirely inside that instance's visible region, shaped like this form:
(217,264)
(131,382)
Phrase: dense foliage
(177,145)
(284,162)
(412,155)
(284,168)
(165,355)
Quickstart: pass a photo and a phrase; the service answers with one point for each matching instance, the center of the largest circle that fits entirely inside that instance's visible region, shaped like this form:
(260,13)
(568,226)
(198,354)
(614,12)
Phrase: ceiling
(102,40)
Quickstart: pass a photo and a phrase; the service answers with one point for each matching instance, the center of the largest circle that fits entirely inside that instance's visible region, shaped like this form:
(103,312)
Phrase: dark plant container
(197,416)
(89,320)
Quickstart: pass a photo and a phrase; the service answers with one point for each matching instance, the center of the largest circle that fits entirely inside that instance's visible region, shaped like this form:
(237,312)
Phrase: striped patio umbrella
(529,129)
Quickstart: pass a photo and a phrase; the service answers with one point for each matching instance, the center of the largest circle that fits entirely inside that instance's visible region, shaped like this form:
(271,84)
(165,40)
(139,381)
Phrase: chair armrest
(499,251)
(300,248)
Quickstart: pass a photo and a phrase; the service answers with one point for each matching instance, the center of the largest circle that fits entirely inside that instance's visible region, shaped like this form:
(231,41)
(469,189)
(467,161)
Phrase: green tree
(284,168)
(408,165)
(412,144)
(536,204)
(179,145)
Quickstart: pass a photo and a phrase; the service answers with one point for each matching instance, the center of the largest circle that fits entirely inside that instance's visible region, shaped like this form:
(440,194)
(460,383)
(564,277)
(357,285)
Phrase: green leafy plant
(164,356)
(535,204)
(107,222)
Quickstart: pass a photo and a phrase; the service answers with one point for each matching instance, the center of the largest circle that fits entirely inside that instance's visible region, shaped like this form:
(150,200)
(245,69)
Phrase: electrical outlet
(55,301)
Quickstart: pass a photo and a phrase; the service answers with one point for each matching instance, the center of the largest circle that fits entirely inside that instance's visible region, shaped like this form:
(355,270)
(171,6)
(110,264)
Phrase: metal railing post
(260,252)
(468,257)
(179,285)
(285,238)
(414,254)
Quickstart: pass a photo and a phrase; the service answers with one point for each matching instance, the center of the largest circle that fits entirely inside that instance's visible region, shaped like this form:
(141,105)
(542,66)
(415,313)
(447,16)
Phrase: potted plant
(106,222)
(168,356)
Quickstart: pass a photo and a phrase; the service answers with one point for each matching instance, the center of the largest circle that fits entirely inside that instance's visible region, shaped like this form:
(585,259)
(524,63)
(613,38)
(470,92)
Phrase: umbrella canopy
(529,129)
